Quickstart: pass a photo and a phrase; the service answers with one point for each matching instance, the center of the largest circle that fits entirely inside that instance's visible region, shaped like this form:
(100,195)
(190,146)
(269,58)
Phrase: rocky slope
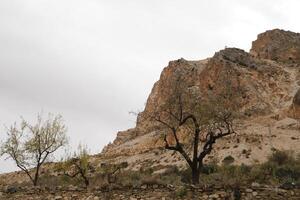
(269,76)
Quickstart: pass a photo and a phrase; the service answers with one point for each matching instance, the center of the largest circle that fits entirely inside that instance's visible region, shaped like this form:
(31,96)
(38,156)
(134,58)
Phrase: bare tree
(109,171)
(78,165)
(203,120)
(30,145)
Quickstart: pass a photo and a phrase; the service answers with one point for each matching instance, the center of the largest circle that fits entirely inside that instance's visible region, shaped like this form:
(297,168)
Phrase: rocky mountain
(270,105)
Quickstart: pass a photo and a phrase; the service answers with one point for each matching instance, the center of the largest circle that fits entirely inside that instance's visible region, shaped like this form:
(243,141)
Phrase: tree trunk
(196,168)
(35,181)
(86,182)
(36,176)
(195,176)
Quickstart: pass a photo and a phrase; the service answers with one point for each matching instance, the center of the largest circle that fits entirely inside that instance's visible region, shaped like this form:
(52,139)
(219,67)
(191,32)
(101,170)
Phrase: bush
(280,157)
(280,167)
(209,169)
(245,169)
(181,192)
(292,172)
(230,170)
(186,175)
(228,160)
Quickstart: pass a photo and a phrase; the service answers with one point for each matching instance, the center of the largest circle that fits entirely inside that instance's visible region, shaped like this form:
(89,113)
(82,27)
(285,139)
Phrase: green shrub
(229,170)
(181,192)
(245,169)
(228,160)
(284,172)
(209,169)
(280,157)
(186,175)
(130,178)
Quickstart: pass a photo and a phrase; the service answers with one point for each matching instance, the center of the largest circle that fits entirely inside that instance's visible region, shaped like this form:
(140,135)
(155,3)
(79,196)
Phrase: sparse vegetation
(228,160)
(77,165)
(30,145)
(269,172)
(181,192)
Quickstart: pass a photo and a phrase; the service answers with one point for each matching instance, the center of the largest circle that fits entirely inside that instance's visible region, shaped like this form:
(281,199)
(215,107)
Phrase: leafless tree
(203,120)
(30,145)
(77,165)
(109,171)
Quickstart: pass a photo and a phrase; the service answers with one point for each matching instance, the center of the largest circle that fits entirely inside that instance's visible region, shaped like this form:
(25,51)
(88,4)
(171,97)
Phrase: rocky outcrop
(278,45)
(260,82)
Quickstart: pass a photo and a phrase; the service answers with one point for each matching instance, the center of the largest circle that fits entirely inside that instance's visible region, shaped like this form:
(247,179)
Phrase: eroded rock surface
(278,45)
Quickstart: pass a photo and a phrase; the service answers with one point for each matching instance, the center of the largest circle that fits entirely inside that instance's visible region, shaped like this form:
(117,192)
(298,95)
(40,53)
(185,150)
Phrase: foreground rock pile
(154,192)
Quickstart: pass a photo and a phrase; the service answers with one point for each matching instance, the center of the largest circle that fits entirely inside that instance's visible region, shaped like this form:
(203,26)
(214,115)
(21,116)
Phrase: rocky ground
(154,192)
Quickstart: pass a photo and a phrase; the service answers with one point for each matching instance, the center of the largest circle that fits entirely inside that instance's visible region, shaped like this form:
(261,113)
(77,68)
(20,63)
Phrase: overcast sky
(93,61)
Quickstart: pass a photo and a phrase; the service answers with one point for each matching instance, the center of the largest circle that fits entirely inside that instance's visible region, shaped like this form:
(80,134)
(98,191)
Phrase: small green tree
(30,145)
(78,165)
(109,171)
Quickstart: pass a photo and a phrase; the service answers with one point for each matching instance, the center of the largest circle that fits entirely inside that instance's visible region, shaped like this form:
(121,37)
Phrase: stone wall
(153,192)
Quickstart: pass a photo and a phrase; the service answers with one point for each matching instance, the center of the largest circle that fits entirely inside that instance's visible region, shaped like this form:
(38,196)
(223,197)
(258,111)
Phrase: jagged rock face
(278,45)
(268,85)
(258,80)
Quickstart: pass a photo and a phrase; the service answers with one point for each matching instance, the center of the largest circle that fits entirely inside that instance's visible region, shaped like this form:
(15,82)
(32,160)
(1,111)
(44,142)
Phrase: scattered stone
(288,185)
(254,193)
(255,185)
(144,187)
(214,196)
(155,186)
(58,197)
(11,190)
(248,190)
